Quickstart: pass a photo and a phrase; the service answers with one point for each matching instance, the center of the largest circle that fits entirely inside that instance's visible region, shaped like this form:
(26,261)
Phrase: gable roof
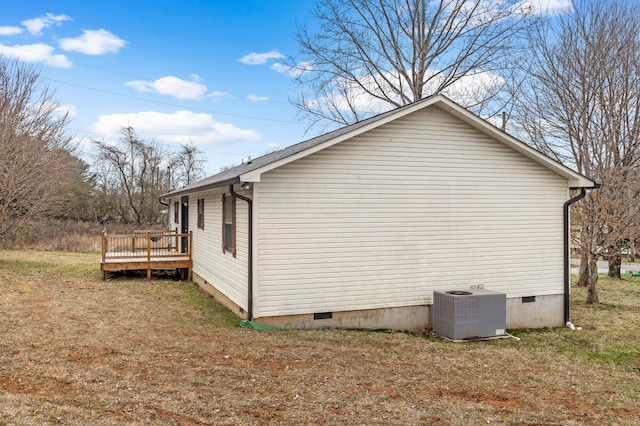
(252,170)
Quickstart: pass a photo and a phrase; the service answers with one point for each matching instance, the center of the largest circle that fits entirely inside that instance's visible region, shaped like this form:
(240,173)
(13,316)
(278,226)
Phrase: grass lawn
(76,350)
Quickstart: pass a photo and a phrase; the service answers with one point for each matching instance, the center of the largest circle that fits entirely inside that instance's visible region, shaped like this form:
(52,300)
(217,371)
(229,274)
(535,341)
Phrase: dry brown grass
(76,350)
(62,235)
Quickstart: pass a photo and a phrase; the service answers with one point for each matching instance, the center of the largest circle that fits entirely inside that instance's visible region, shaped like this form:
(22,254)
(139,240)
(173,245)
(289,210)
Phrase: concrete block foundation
(522,312)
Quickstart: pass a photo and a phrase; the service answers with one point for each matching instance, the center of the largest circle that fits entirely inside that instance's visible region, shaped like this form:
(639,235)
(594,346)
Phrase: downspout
(567,249)
(167,206)
(168,190)
(250,250)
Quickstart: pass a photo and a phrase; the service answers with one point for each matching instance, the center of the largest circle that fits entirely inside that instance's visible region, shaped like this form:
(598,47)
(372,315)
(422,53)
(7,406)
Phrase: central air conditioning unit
(469,314)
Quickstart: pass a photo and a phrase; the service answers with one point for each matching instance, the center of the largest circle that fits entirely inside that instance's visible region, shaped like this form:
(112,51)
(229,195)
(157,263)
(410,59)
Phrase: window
(200,213)
(176,209)
(229,224)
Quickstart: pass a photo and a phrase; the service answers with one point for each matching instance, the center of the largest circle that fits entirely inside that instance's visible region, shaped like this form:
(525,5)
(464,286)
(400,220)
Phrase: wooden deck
(147,250)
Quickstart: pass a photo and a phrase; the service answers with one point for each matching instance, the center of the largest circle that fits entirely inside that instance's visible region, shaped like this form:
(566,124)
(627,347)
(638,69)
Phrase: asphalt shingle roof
(233,174)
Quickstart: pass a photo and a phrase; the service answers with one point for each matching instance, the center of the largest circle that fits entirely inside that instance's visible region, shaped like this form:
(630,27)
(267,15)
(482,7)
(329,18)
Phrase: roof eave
(187,190)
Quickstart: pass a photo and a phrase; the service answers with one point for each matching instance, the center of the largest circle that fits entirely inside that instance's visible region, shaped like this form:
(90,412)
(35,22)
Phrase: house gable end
(575,180)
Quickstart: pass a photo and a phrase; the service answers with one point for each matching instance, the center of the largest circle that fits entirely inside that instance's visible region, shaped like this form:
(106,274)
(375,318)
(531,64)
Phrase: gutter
(191,188)
(249,202)
(567,255)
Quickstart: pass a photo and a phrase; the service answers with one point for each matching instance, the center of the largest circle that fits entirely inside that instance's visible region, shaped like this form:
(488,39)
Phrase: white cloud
(260,58)
(547,7)
(180,126)
(293,71)
(218,94)
(256,98)
(471,89)
(361,101)
(36,53)
(171,86)
(36,25)
(9,31)
(93,42)
(68,109)
(467,91)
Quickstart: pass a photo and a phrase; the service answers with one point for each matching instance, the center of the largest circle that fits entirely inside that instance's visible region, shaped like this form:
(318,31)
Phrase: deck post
(103,235)
(148,255)
(190,277)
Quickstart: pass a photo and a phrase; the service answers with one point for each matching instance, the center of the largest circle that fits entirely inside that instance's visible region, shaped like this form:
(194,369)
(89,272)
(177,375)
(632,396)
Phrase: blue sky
(206,71)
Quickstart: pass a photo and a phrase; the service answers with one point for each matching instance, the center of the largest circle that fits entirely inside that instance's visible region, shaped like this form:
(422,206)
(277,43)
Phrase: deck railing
(149,244)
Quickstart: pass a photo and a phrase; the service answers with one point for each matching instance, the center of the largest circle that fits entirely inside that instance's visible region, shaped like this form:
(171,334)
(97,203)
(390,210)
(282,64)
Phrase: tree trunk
(583,272)
(615,262)
(592,281)
(588,276)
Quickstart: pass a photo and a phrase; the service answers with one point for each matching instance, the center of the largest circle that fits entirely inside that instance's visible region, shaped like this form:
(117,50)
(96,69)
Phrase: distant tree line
(43,177)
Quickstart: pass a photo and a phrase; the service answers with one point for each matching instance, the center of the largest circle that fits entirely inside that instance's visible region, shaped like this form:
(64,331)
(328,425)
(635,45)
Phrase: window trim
(232,228)
(201,213)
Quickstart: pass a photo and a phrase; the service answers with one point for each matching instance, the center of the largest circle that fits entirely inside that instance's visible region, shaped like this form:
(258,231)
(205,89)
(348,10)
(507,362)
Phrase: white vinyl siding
(222,270)
(423,203)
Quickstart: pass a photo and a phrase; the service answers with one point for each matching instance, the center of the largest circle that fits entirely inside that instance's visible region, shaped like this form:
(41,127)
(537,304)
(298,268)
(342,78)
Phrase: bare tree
(186,165)
(79,183)
(583,108)
(36,161)
(131,174)
(133,177)
(370,56)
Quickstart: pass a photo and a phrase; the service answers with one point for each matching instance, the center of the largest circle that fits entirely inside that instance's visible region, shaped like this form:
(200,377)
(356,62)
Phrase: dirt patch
(76,350)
